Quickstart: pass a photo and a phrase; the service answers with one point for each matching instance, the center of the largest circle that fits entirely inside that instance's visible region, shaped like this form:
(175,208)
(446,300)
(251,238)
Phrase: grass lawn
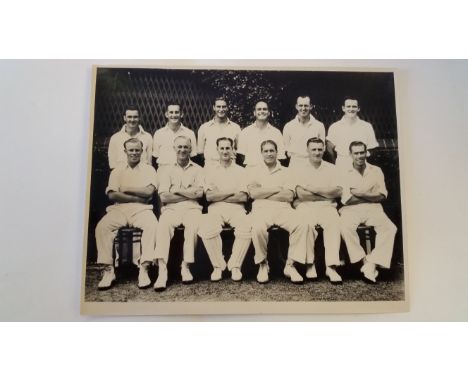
(390,287)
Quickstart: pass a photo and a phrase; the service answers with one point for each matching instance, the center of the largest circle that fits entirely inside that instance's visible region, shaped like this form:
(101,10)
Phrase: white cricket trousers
(286,218)
(169,220)
(210,232)
(371,214)
(327,217)
(115,218)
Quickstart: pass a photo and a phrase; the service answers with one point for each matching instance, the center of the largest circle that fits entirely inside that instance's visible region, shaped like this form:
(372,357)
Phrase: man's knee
(391,227)
(259,228)
(148,222)
(209,229)
(165,220)
(347,224)
(102,227)
(243,233)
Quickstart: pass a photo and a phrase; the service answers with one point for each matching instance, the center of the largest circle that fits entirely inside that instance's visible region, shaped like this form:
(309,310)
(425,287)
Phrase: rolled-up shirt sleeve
(156,145)
(371,139)
(193,140)
(149,151)
(280,142)
(331,137)
(381,182)
(164,182)
(345,185)
(208,183)
(199,180)
(321,132)
(243,185)
(201,140)
(114,182)
(112,152)
(153,179)
(242,144)
(290,181)
(251,178)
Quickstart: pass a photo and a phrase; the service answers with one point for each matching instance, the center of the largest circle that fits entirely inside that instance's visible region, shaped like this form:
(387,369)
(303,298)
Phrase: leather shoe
(369,273)
(291,272)
(333,275)
(217,274)
(236,274)
(187,277)
(311,273)
(161,281)
(262,275)
(108,278)
(143,278)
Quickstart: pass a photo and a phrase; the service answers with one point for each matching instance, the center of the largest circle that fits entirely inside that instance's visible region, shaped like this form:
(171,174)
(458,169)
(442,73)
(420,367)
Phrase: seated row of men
(290,142)
(296,200)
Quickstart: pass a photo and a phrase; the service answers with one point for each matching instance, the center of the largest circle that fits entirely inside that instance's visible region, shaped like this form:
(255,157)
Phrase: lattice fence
(150,90)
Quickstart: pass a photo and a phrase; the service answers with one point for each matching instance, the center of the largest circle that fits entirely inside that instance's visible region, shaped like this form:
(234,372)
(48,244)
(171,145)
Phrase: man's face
(225,150)
(303,106)
(131,118)
(133,151)
(315,150)
(261,112)
(220,108)
(350,107)
(269,154)
(173,114)
(358,153)
(183,148)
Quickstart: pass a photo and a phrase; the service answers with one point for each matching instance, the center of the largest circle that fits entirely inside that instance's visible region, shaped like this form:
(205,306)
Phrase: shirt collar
(344,119)
(277,168)
(140,129)
(181,127)
(137,167)
(190,163)
(219,165)
(212,122)
(367,169)
(312,166)
(268,126)
(311,120)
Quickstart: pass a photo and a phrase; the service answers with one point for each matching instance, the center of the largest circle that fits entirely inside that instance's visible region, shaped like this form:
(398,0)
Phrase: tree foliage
(242,90)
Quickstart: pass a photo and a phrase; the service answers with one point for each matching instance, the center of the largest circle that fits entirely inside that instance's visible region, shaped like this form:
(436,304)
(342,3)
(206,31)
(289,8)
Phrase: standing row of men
(311,184)
(246,142)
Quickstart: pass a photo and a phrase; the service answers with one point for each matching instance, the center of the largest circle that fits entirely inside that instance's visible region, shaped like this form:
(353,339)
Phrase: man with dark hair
(131,129)
(252,136)
(348,129)
(271,188)
(180,187)
(163,140)
(317,189)
(219,126)
(226,190)
(363,190)
(131,188)
(297,131)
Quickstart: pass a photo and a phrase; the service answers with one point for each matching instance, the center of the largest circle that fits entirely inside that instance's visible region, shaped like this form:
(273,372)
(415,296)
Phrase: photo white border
(230,308)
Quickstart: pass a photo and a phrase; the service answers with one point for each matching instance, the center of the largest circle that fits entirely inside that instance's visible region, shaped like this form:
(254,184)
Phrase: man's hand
(358,192)
(255,185)
(370,195)
(140,199)
(174,189)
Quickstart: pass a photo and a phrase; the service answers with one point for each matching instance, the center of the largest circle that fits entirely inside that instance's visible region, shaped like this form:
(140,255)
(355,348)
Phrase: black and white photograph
(244,191)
